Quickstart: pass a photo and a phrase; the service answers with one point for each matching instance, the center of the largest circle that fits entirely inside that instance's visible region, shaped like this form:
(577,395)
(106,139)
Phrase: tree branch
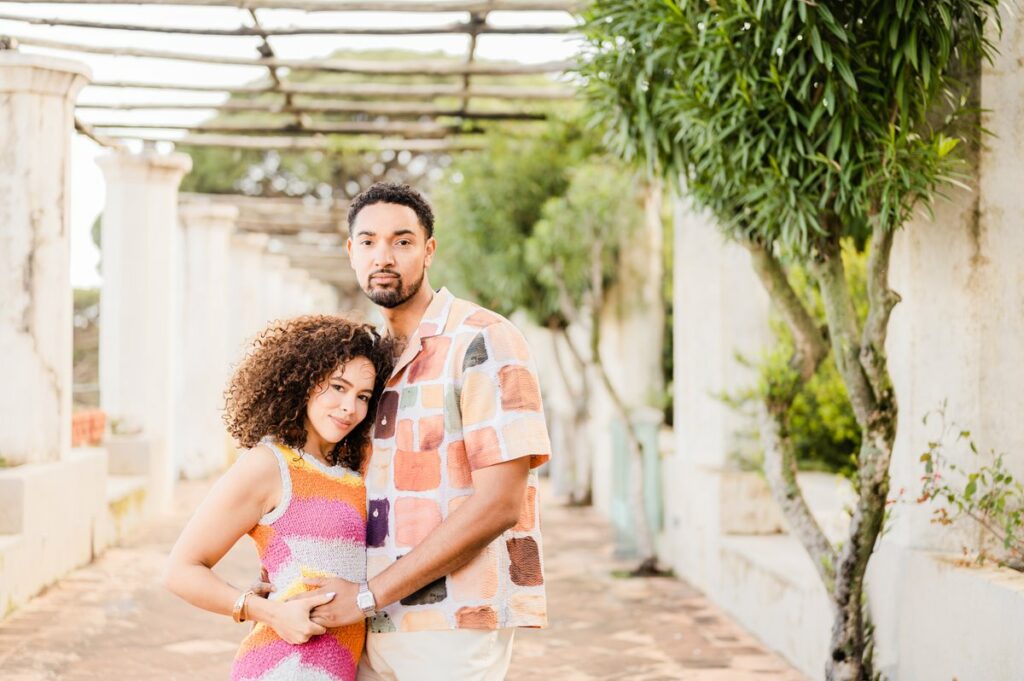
(843,330)
(780,470)
(881,301)
(811,343)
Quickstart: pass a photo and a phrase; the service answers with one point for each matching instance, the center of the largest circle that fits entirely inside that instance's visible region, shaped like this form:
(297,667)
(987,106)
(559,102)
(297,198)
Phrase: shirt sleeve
(500,401)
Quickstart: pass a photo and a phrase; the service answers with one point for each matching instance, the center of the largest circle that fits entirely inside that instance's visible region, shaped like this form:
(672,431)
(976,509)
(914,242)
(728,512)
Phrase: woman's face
(338,404)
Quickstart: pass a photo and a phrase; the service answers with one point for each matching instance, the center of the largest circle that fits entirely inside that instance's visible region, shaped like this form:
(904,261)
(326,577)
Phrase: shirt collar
(431,324)
(436,315)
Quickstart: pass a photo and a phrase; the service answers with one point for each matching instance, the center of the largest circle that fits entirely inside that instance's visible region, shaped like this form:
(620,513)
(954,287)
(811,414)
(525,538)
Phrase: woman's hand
(290,619)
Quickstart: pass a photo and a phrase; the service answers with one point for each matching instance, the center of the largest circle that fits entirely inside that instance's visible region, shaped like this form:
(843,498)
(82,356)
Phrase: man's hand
(342,610)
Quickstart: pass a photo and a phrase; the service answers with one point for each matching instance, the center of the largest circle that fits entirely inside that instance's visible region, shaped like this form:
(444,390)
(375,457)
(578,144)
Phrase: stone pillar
(296,301)
(274,284)
(325,298)
(721,309)
(246,290)
(634,310)
(140,304)
(207,231)
(37,97)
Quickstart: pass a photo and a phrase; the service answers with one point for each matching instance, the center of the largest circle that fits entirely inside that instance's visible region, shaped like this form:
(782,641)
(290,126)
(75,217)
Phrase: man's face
(390,252)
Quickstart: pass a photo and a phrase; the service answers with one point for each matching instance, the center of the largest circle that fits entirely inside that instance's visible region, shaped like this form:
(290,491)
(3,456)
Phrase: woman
(299,402)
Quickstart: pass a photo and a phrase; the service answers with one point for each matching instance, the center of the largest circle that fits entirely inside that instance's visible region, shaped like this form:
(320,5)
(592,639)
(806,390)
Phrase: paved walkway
(112,621)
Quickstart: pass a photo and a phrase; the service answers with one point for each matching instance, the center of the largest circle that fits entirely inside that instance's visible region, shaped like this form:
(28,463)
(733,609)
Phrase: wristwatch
(365,600)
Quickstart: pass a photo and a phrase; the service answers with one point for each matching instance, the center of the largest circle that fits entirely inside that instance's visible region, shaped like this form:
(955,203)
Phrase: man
(451,486)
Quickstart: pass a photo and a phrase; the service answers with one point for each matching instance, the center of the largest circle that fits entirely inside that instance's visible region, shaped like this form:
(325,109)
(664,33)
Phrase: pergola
(382,115)
(192,275)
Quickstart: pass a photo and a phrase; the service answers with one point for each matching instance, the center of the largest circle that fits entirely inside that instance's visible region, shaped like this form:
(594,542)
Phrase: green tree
(577,250)
(801,125)
(539,224)
(488,206)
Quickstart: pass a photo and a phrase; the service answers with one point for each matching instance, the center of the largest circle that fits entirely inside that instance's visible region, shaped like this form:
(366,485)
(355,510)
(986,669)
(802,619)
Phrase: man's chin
(386,299)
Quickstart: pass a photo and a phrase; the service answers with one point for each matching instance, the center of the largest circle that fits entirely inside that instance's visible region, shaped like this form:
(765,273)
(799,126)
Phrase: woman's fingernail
(330,594)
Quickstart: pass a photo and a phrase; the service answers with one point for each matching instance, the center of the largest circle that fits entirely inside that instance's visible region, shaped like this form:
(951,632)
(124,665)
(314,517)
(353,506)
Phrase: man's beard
(392,297)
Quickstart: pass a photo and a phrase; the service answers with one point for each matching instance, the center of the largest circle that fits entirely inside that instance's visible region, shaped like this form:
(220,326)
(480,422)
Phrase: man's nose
(383,256)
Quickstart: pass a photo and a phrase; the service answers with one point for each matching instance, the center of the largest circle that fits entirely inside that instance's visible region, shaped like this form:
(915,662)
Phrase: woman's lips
(343,425)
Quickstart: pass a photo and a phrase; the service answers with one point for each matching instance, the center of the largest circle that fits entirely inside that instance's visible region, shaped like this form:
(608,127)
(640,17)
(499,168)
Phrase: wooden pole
(362,90)
(407,129)
(99,139)
(444,29)
(367,108)
(378,68)
(345,5)
(298,144)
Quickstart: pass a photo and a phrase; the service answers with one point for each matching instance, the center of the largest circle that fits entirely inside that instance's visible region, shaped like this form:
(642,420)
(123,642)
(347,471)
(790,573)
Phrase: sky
(87,185)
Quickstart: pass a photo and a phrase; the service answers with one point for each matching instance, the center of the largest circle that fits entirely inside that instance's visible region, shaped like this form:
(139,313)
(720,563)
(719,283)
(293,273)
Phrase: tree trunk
(644,535)
(577,448)
(780,466)
(860,357)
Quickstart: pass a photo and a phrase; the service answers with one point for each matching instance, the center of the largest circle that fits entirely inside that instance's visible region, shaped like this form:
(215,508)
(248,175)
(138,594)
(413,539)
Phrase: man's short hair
(400,194)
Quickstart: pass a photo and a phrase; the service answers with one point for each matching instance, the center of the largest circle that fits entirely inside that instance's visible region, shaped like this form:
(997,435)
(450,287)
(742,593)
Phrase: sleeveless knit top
(318,530)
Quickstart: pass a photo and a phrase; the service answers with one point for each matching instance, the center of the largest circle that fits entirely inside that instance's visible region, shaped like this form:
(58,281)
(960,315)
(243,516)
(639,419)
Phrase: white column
(247,298)
(634,310)
(296,301)
(721,309)
(325,298)
(207,231)
(274,284)
(139,304)
(37,97)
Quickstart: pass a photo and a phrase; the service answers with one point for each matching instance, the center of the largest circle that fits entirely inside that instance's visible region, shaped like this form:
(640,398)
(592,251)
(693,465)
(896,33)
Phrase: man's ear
(430,247)
(348,248)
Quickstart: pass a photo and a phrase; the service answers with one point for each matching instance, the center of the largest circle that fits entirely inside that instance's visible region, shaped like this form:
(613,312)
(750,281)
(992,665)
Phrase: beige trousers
(450,655)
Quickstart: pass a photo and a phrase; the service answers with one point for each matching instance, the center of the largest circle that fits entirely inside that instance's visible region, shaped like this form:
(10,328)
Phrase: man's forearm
(455,542)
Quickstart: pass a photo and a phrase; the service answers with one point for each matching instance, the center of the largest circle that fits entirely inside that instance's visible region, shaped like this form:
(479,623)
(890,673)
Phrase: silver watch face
(365,601)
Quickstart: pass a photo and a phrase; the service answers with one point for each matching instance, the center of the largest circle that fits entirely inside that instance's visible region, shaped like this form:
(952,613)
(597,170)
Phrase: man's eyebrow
(398,232)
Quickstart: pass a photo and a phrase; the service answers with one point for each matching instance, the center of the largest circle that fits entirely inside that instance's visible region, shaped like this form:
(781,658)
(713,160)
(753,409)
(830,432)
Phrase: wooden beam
(395,109)
(96,137)
(425,146)
(361,90)
(454,28)
(405,129)
(346,5)
(375,68)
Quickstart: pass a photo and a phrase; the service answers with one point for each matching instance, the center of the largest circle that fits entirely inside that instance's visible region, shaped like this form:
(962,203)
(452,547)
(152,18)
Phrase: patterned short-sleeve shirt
(464,395)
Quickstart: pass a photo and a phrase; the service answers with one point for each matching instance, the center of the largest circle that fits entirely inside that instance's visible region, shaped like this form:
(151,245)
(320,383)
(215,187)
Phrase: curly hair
(400,194)
(270,388)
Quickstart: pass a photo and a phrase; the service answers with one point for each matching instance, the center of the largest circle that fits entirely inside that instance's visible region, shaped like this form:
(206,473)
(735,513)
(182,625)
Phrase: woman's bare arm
(234,505)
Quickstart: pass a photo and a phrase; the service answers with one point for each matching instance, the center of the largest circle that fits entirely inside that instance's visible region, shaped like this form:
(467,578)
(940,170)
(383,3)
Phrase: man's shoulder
(489,338)
(467,316)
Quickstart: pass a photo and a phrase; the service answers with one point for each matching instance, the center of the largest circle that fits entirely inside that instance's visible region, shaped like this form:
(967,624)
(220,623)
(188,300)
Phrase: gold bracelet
(238,612)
